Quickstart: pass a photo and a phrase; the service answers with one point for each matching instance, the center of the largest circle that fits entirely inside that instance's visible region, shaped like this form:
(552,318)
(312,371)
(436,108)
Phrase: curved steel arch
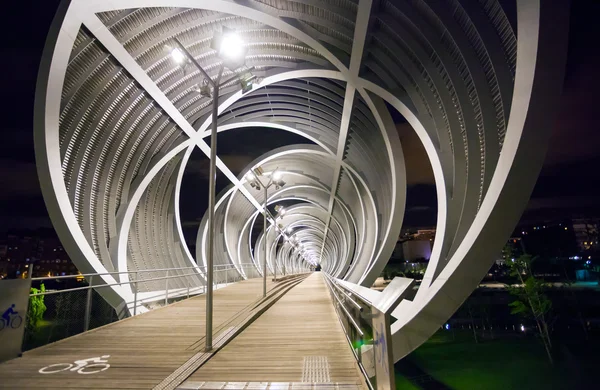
(116,122)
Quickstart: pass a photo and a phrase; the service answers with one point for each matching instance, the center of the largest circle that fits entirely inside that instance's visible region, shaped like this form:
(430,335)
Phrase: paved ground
(143,350)
(299,339)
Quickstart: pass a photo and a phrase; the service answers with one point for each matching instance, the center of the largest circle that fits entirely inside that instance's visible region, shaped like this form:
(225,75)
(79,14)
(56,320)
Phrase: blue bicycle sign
(10,318)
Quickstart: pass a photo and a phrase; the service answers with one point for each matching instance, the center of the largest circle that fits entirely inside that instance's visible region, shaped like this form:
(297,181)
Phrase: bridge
(290,339)
(131,91)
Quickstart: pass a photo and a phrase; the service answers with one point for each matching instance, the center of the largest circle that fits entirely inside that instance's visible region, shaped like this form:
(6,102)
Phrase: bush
(36,309)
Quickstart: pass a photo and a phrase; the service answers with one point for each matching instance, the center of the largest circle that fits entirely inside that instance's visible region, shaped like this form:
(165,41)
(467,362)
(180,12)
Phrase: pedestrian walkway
(299,340)
(293,338)
(142,350)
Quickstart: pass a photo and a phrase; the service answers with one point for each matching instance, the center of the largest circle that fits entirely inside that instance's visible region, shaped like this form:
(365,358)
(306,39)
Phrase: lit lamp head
(277,178)
(230,48)
(247,81)
(178,56)
(251,178)
(280,210)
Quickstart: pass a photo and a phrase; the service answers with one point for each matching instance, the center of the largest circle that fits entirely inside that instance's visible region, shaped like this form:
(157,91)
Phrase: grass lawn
(509,363)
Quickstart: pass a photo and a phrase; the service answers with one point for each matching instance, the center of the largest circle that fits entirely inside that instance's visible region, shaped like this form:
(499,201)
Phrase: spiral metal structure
(117,120)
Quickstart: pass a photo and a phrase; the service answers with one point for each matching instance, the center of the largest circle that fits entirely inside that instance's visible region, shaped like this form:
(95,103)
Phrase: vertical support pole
(88,305)
(226,276)
(135,285)
(167,288)
(381,310)
(211,211)
(265,244)
(382,349)
(188,288)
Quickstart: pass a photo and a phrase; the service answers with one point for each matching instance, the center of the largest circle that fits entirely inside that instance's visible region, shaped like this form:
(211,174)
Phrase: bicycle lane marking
(80,366)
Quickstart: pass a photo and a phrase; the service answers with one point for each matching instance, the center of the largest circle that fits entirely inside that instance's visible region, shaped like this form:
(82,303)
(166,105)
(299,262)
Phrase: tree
(36,308)
(531,301)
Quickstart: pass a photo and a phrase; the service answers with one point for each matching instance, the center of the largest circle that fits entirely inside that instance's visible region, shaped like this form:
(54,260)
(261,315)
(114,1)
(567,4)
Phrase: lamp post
(231,50)
(275,179)
(280,214)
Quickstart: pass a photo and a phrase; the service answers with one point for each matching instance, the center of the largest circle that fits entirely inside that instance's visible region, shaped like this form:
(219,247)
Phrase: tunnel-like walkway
(310,97)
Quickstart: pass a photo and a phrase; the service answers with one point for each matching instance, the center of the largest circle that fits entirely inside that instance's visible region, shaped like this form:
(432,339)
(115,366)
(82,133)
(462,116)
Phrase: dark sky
(569,183)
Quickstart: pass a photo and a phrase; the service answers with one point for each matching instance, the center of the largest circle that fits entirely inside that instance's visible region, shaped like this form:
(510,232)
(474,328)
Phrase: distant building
(416,250)
(414,244)
(513,249)
(586,233)
(20,253)
(422,233)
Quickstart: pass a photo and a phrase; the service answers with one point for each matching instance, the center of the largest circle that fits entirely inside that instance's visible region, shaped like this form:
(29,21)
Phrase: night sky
(569,183)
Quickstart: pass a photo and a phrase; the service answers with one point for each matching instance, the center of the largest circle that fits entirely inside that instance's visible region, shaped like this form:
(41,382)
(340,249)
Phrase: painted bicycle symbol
(87,366)
(10,318)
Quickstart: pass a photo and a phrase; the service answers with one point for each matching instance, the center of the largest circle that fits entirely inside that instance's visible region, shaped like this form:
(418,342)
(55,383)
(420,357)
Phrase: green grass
(514,363)
(404,384)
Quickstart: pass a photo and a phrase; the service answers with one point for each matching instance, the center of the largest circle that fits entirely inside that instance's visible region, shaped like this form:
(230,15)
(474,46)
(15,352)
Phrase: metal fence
(74,303)
(354,314)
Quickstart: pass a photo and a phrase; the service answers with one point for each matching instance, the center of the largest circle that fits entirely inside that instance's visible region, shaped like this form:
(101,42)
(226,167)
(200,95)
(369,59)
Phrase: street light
(280,214)
(230,48)
(231,51)
(275,179)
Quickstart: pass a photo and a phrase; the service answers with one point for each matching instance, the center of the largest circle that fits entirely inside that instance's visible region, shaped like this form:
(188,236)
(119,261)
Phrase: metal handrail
(351,292)
(136,280)
(241,270)
(337,286)
(50,292)
(132,272)
(346,311)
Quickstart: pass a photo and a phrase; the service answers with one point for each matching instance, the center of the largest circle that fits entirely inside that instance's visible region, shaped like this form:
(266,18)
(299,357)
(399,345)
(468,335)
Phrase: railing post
(167,288)
(226,277)
(135,275)
(88,305)
(188,286)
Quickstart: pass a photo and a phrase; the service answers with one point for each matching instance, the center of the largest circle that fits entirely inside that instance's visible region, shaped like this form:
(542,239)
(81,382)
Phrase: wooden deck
(143,350)
(299,339)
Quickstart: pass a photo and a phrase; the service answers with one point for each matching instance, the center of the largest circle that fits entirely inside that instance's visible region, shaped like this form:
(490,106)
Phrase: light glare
(232,46)
(277,175)
(177,55)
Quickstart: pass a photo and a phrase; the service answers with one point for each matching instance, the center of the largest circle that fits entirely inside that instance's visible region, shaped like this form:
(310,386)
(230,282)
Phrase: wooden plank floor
(299,332)
(143,350)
